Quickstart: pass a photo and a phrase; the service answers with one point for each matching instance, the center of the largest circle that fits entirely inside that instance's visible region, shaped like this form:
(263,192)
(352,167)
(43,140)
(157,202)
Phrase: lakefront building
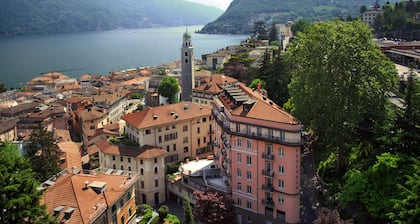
(183,129)
(257,147)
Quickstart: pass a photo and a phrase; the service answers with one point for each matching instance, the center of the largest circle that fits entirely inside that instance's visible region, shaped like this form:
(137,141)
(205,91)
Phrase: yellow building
(183,129)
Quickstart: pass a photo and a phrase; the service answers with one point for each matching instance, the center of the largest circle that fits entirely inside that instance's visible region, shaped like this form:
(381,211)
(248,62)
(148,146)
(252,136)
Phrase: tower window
(186,53)
(186,60)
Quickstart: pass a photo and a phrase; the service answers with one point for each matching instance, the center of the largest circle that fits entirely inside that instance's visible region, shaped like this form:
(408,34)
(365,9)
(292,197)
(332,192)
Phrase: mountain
(57,16)
(241,14)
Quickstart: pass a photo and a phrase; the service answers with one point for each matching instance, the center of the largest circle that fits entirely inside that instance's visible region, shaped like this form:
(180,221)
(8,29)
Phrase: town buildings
(147,161)
(257,146)
(183,129)
(211,87)
(370,15)
(96,198)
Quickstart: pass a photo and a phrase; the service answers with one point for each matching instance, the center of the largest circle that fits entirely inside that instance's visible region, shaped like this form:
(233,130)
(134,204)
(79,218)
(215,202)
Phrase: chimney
(86,185)
(155,117)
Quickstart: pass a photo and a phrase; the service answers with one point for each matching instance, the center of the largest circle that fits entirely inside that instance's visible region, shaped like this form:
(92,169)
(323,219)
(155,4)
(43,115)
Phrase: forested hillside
(241,14)
(54,16)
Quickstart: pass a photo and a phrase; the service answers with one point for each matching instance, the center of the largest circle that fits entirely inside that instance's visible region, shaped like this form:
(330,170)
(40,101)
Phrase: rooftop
(144,152)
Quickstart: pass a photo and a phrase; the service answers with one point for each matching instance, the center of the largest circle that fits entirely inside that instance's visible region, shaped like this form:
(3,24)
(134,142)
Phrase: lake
(25,57)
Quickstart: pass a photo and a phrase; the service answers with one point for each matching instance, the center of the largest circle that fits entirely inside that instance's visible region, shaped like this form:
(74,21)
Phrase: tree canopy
(213,207)
(19,195)
(169,88)
(339,82)
(43,153)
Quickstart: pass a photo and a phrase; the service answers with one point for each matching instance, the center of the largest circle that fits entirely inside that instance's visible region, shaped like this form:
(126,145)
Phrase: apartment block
(183,129)
(257,146)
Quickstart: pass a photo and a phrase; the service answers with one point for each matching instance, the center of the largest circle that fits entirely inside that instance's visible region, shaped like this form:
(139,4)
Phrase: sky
(222,4)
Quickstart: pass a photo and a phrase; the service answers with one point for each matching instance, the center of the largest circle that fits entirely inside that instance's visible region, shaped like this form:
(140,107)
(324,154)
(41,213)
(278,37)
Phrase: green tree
(363,9)
(300,26)
(188,215)
(277,79)
(3,88)
(257,82)
(273,34)
(43,154)
(169,88)
(259,31)
(163,212)
(19,196)
(339,82)
(213,207)
(409,122)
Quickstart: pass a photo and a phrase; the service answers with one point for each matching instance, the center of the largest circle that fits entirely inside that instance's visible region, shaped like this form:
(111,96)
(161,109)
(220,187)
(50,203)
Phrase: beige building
(183,129)
(147,161)
(114,103)
(216,60)
(370,15)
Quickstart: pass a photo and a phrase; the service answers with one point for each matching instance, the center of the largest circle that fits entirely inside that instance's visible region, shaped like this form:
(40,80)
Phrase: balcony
(268,156)
(268,187)
(268,202)
(268,173)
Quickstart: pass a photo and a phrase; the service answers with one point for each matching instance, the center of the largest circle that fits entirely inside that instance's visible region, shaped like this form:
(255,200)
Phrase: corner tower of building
(187,60)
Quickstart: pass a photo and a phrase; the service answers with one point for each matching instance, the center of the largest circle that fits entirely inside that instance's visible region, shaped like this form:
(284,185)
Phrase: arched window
(186,53)
(141,171)
(129,168)
(122,219)
(129,211)
(186,60)
(156,170)
(122,167)
(114,166)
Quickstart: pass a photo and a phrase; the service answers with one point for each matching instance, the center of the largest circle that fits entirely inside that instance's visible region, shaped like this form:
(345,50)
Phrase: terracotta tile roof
(71,155)
(24,107)
(166,114)
(214,83)
(134,81)
(107,99)
(145,152)
(8,125)
(93,149)
(112,127)
(69,191)
(62,135)
(262,108)
(93,114)
(77,99)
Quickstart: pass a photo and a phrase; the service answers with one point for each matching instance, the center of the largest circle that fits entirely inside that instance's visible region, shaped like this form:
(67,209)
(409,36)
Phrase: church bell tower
(187,61)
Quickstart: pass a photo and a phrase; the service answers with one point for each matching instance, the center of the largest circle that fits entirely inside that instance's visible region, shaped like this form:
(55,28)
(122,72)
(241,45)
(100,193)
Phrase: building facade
(210,87)
(187,60)
(183,129)
(147,161)
(257,147)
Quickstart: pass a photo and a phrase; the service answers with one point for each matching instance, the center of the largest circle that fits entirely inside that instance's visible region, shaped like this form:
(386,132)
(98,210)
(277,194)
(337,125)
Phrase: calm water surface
(25,57)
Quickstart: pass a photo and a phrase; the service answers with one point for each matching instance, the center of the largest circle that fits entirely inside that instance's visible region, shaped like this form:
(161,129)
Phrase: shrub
(163,212)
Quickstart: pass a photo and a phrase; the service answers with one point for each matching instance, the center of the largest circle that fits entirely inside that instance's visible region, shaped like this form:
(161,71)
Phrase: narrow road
(308,200)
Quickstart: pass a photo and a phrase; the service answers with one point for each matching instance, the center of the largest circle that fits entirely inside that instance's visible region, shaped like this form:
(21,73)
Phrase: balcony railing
(268,202)
(268,156)
(268,187)
(268,173)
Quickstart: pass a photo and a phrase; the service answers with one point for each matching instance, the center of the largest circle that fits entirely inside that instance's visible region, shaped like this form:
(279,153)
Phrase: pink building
(257,146)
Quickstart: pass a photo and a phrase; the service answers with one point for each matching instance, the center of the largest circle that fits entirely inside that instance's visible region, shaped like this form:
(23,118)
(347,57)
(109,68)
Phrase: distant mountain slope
(54,16)
(241,14)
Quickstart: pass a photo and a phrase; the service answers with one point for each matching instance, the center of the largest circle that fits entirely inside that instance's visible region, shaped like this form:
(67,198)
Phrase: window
(204,119)
(248,129)
(160,139)
(148,132)
(249,144)
(174,147)
(141,162)
(249,205)
(142,184)
(122,167)
(185,140)
(281,184)
(270,133)
(238,158)
(121,159)
(281,198)
(269,149)
(173,126)
(167,148)
(282,135)
(281,152)
(281,169)
(204,140)
(238,142)
(156,183)
(156,170)
(239,172)
(248,189)
(186,149)
(248,160)
(129,160)
(186,60)
(185,128)
(198,141)
(159,129)
(92,127)
(113,158)
(129,168)
(155,160)
(186,53)
(141,171)
(114,166)
(248,175)
(239,187)
(238,127)
(239,201)
(259,131)
(198,130)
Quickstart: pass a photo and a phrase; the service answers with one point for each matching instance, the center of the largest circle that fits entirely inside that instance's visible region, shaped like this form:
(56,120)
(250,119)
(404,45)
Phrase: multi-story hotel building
(183,129)
(257,146)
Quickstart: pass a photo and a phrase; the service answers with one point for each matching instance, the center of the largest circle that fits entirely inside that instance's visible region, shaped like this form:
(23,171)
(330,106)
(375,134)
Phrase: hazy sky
(223,4)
